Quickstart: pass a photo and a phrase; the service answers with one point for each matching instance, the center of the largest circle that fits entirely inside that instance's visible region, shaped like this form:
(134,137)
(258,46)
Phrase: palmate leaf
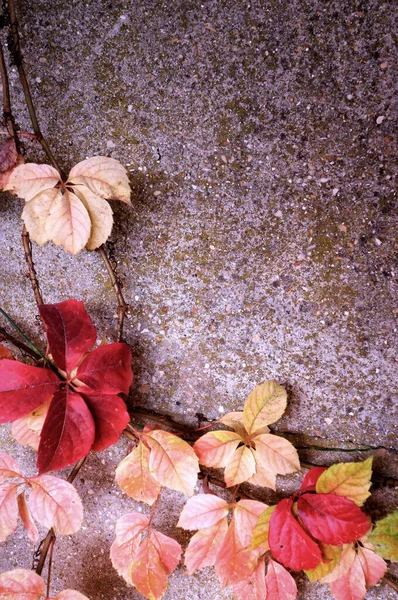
(203,510)
(264,405)
(252,588)
(26,430)
(21,584)
(241,466)
(351,480)
(364,570)
(8,508)
(205,545)
(279,584)
(261,530)
(331,556)
(215,449)
(134,477)
(384,537)
(276,454)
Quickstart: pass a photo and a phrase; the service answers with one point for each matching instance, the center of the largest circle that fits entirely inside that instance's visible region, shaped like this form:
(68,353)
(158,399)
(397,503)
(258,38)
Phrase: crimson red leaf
(332,519)
(107,370)
(110,418)
(23,388)
(309,482)
(67,434)
(288,542)
(70,332)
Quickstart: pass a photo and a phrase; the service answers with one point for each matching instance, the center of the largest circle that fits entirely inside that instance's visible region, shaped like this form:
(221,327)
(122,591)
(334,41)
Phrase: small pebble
(380,119)
(278,214)
(383,65)
(378,242)
(335,191)
(157,193)
(350,96)
(130,108)
(328,420)
(110,144)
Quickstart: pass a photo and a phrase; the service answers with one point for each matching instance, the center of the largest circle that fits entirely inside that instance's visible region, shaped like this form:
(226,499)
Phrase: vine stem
(122,305)
(4,335)
(27,246)
(50,564)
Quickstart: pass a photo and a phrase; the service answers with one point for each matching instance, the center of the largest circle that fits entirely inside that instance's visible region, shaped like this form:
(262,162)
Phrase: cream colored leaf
(100,214)
(276,454)
(27,429)
(36,213)
(104,176)
(69,224)
(351,480)
(262,477)
(134,478)
(264,405)
(215,449)
(240,467)
(26,181)
(234,420)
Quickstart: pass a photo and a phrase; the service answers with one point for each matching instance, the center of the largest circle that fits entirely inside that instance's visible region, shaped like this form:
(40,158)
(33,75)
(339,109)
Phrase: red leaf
(107,369)
(6,353)
(279,583)
(23,388)
(110,418)
(70,332)
(67,434)
(288,542)
(332,519)
(309,482)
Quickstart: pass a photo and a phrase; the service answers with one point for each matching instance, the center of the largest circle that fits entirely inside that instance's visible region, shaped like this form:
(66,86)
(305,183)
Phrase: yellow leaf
(240,467)
(68,223)
(100,215)
(36,212)
(104,176)
(264,405)
(351,480)
(330,558)
(28,180)
(261,529)
(134,478)
(384,537)
(276,454)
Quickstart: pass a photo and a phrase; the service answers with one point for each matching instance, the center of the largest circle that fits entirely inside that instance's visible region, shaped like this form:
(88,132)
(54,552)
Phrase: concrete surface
(261,142)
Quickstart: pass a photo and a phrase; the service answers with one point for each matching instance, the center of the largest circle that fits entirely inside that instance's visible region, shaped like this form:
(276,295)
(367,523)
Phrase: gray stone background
(260,139)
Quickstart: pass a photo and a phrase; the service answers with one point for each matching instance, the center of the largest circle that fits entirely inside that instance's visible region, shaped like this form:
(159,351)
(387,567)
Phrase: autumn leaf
(204,546)
(134,477)
(351,480)
(215,449)
(330,558)
(172,461)
(278,454)
(384,537)
(8,467)
(84,411)
(21,584)
(261,530)
(72,214)
(241,466)
(252,588)
(6,353)
(343,564)
(332,519)
(264,405)
(8,508)
(279,584)
(26,430)
(27,519)
(311,477)
(128,537)
(8,154)
(203,510)
(70,595)
(55,504)
(373,566)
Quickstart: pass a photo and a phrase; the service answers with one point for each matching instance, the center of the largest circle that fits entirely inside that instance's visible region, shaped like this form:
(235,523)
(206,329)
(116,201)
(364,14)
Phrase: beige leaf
(276,454)
(69,223)
(263,477)
(134,478)
(234,420)
(100,214)
(36,213)
(26,181)
(264,405)
(240,467)
(104,176)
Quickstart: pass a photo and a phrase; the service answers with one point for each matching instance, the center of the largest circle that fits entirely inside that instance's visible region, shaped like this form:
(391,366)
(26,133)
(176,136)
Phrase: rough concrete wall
(260,139)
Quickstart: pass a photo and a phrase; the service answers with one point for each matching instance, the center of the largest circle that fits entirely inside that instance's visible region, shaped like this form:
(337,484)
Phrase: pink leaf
(309,482)
(215,449)
(252,588)
(202,511)
(27,520)
(107,369)
(21,584)
(134,478)
(332,519)
(110,418)
(351,586)
(373,566)
(70,595)
(205,545)
(169,550)
(246,515)
(67,434)
(55,503)
(23,388)
(27,429)
(279,583)
(8,154)
(70,332)
(8,508)
(8,467)
(288,542)
(128,537)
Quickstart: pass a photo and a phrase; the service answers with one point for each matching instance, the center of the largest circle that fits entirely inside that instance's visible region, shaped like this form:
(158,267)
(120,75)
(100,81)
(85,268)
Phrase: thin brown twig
(27,246)
(7,114)
(4,335)
(17,56)
(390,581)
(50,564)
(122,305)
(21,134)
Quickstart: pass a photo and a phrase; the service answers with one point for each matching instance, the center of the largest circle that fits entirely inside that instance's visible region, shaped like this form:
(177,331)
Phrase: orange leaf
(214,449)
(6,353)
(128,537)
(134,478)
(264,405)
(234,420)
(241,466)
(261,530)
(252,588)
(276,454)
(172,461)
(21,584)
(262,477)
(8,508)
(27,520)
(204,510)
(205,545)
(280,585)
(351,480)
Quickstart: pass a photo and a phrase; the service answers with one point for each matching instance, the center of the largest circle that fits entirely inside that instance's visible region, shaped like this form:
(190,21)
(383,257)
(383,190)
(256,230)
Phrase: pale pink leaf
(27,520)
(8,508)
(252,588)
(134,477)
(28,180)
(204,510)
(27,429)
(70,595)
(68,223)
(264,405)
(234,562)
(351,585)
(280,585)
(246,515)
(104,176)
(276,454)
(347,558)
(241,466)
(172,461)
(205,545)
(21,584)
(169,549)
(8,467)
(55,503)
(373,566)
(262,477)
(214,449)
(129,529)
(36,214)
(100,215)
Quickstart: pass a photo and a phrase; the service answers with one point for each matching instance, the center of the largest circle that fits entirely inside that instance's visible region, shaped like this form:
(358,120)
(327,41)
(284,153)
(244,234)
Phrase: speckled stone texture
(260,138)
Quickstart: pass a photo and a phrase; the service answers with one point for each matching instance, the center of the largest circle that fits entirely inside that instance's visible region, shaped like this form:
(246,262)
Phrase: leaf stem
(122,305)
(389,580)
(18,59)
(27,246)
(4,335)
(50,564)
(27,341)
